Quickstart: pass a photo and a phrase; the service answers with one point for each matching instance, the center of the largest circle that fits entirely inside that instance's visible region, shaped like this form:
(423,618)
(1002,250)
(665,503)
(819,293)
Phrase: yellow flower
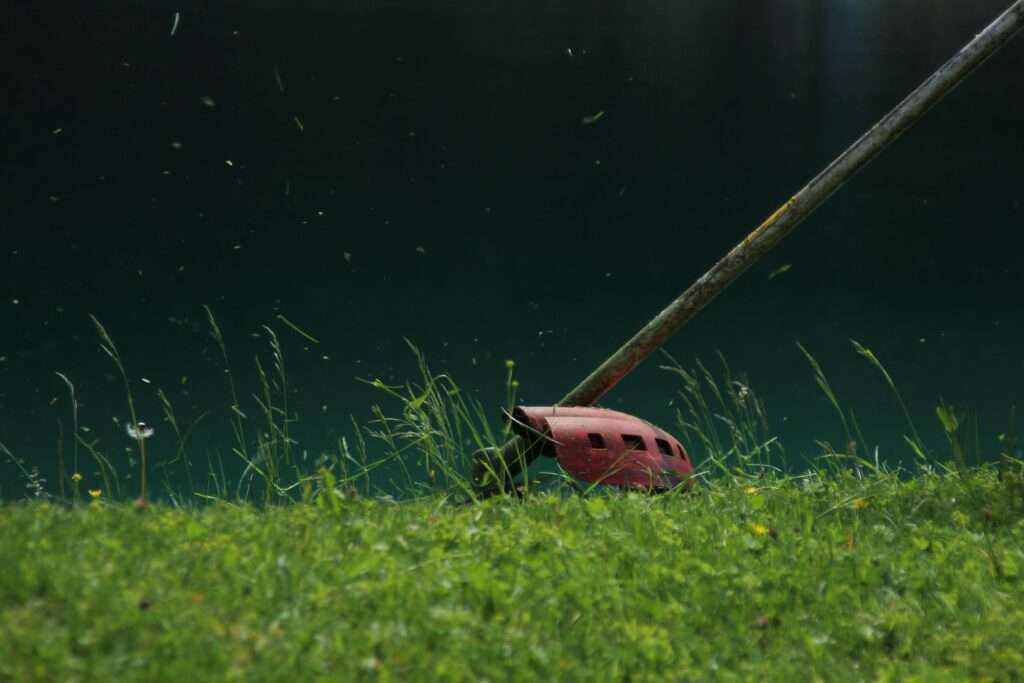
(750,490)
(760,529)
(95,493)
(76,477)
(858,503)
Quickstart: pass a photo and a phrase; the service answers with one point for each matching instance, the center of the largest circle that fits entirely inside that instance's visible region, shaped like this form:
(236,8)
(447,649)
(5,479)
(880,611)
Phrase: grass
(810,579)
(849,570)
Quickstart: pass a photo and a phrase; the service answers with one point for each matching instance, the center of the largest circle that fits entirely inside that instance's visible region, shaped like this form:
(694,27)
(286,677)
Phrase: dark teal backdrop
(528,181)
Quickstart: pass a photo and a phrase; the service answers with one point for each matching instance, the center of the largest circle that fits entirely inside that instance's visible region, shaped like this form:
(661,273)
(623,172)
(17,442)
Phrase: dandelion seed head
(139,430)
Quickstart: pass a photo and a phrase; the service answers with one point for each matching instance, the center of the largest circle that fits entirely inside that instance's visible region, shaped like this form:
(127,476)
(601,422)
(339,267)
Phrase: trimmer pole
(494,468)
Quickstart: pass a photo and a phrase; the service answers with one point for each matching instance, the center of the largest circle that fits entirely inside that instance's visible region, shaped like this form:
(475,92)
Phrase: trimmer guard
(604,446)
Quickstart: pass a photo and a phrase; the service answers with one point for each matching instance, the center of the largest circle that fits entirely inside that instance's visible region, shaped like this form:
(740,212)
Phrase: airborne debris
(593,118)
(208,101)
(295,328)
(780,270)
(174,26)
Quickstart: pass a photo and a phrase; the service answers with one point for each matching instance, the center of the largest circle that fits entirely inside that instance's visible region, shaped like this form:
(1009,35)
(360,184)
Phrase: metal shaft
(796,209)
(785,219)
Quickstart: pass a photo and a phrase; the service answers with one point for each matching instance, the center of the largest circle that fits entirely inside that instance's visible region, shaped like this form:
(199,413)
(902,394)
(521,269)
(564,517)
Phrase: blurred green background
(528,181)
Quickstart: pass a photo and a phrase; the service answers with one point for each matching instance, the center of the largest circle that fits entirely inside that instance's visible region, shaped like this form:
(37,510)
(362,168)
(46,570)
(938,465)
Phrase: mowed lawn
(828,577)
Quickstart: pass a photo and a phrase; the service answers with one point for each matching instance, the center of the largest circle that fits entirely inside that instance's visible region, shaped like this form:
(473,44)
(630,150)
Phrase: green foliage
(914,440)
(820,578)
(846,571)
(747,449)
(438,429)
(109,348)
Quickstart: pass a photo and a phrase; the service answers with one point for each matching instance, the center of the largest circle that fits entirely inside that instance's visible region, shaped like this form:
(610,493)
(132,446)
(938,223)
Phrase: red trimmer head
(603,446)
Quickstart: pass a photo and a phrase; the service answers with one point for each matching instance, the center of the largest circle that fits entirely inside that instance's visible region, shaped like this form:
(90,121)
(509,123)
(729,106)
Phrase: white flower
(139,430)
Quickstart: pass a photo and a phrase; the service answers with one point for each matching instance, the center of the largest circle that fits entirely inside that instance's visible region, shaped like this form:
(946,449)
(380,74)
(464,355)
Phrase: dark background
(380,170)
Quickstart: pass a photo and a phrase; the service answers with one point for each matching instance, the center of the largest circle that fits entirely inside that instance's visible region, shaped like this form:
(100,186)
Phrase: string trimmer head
(603,446)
